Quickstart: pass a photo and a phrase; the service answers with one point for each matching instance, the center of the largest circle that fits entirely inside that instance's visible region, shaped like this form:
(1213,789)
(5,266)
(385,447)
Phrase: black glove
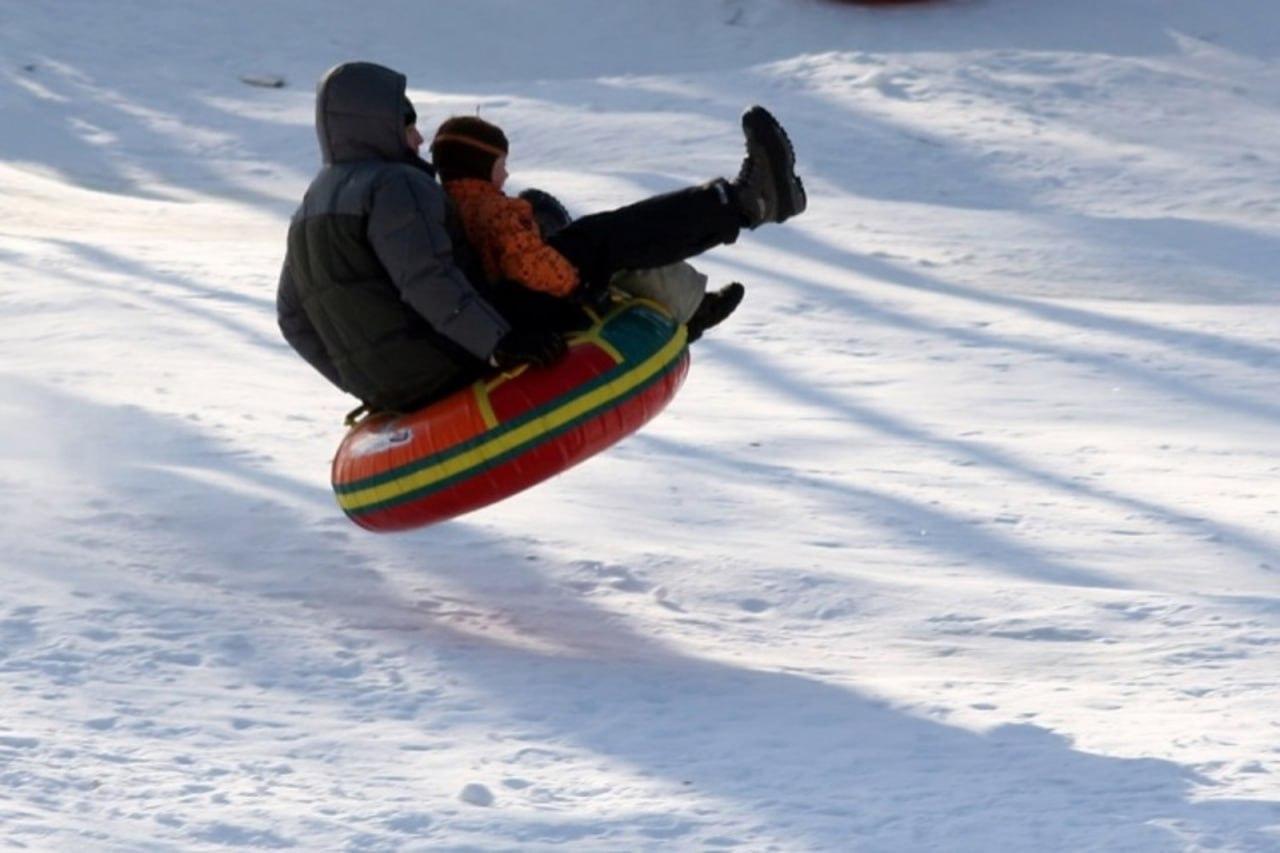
(527,346)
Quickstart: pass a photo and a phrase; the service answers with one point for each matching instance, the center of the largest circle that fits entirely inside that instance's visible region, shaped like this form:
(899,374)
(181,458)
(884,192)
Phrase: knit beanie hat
(467,147)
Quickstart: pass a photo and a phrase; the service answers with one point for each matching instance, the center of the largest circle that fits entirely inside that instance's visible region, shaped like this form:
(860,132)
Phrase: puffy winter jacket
(371,293)
(503,231)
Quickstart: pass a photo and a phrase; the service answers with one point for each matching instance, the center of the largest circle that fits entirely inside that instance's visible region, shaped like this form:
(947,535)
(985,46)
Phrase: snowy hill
(963,535)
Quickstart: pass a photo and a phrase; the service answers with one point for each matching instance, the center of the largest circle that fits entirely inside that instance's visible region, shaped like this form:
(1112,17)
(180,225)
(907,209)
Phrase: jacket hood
(360,111)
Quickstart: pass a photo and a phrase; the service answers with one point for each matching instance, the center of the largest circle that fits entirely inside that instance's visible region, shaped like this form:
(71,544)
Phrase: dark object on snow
(548,212)
(263,81)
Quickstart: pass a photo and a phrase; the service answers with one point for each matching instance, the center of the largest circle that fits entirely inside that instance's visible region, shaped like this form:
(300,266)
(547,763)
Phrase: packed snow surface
(963,535)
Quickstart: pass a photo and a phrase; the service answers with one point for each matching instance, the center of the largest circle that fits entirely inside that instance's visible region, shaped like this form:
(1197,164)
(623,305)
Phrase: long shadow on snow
(1208,345)
(1237,252)
(903,163)
(120,141)
(950,536)
(796,388)
(1235,261)
(788,757)
(190,297)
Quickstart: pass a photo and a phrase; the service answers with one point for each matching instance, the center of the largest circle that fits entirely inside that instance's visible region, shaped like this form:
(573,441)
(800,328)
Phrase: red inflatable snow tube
(506,433)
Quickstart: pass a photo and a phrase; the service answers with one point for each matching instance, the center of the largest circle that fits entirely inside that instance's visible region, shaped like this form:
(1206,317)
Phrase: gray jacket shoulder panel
(345,189)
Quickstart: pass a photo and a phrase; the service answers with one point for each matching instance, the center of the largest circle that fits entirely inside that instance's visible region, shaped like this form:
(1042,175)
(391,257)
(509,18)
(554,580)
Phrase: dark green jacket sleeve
(407,230)
(297,328)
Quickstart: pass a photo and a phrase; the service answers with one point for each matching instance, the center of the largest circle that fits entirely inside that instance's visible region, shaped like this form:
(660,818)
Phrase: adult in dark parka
(372,293)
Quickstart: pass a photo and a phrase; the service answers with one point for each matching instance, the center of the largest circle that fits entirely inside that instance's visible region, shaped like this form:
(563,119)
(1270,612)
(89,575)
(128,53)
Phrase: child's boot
(714,308)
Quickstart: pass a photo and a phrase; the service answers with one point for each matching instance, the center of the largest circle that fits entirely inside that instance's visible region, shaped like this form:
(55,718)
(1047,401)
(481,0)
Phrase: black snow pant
(652,233)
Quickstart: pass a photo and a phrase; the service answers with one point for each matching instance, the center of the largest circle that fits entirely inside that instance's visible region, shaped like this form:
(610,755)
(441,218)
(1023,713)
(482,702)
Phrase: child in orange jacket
(470,155)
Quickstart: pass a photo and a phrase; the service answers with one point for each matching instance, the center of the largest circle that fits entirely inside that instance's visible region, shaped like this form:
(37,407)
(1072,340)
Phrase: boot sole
(761,125)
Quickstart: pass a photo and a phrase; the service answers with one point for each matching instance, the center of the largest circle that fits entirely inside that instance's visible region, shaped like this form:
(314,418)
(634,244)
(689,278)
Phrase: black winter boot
(767,188)
(714,308)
